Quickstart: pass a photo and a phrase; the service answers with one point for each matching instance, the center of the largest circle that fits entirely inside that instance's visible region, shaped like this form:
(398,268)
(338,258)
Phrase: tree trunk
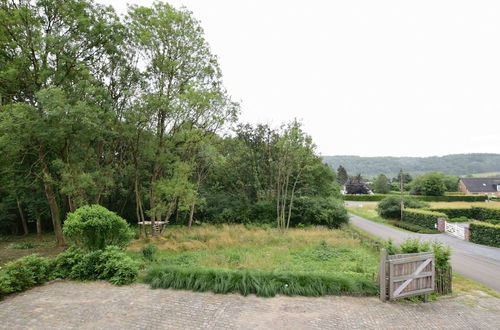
(39,227)
(51,199)
(191,214)
(23,218)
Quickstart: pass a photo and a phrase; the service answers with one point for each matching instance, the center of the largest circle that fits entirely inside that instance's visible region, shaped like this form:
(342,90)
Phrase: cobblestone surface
(99,305)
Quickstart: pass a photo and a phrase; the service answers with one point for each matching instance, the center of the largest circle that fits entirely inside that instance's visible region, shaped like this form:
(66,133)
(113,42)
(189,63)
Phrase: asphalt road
(478,262)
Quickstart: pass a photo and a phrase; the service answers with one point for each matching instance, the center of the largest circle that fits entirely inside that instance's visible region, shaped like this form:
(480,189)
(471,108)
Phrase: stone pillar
(441,224)
(466,234)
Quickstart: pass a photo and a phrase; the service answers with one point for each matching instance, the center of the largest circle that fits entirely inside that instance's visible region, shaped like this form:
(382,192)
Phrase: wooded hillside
(459,164)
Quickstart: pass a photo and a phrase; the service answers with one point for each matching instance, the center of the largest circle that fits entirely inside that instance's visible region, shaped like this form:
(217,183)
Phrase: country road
(478,262)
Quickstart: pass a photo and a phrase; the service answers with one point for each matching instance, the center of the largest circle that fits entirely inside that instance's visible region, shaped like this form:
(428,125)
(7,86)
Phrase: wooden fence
(406,275)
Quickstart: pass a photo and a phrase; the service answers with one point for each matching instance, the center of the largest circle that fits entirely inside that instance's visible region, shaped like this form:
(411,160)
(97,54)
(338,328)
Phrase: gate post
(383,275)
(467,234)
(441,223)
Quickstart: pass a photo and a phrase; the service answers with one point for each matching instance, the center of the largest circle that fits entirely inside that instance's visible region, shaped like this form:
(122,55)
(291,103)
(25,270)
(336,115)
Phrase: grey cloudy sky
(370,78)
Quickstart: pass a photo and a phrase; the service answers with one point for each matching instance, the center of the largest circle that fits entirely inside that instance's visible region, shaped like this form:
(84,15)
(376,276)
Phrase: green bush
(24,273)
(493,221)
(415,228)
(64,262)
(148,252)
(441,252)
(390,207)
(319,211)
(94,227)
(485,233)
(261,283)
(110,264)
(423,218)
(464,198)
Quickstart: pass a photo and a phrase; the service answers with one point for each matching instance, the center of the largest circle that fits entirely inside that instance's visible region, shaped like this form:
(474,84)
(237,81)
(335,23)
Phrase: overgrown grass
(310,261)
(261,283)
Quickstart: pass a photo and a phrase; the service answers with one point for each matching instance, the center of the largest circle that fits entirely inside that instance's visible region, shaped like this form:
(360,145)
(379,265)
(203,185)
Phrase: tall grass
(260,283)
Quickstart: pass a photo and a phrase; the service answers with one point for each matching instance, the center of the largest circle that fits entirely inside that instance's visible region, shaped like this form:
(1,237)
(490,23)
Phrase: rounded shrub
(390,207)
(94,227)
(323,211)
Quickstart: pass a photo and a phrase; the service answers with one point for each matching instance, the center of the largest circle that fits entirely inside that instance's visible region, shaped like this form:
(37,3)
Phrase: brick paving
(99,305)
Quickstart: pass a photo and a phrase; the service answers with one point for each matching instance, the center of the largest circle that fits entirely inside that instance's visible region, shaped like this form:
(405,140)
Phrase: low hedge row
(379,197)
(260,283)
(485,233)
(415,228)
(423,218)
(110,264)
(473,212)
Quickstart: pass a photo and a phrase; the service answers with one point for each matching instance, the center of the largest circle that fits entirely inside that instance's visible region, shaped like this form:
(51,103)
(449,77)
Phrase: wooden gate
(406,275)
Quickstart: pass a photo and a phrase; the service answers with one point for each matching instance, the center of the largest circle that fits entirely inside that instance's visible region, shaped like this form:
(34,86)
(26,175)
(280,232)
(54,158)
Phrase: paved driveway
(99,305)
(478,262)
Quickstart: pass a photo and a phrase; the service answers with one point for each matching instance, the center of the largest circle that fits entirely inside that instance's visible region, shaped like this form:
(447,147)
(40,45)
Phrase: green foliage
(441,252)
(363,198)
(381,185)
(22,246)
(260,283)
(430,184)
(110,264)
(493,221)
(24,273)
(415,228)
(356,185)
(319,211)
(424,218)
(390,207)
(459,219)
(149,252)
(485,233)
(342,175)
(64,262)
(93,227)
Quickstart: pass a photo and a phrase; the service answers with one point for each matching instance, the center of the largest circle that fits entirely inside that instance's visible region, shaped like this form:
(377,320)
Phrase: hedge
(415,228)
(485,233)
(423,218)
(379,197)
(473,212)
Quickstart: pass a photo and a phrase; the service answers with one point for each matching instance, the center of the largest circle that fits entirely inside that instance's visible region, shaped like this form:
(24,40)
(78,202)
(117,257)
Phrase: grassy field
(236,247)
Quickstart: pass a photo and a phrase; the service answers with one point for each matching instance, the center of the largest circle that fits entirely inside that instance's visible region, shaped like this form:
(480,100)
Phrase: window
(498,187)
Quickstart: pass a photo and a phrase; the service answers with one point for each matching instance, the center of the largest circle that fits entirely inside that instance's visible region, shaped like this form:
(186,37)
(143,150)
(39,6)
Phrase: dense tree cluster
(130,114)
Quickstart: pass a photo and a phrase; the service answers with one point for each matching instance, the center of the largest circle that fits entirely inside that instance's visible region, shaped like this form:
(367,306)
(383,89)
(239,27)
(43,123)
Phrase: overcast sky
(370,78)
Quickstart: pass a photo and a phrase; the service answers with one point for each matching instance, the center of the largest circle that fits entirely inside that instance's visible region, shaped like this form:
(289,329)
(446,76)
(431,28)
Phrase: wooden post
(382,277)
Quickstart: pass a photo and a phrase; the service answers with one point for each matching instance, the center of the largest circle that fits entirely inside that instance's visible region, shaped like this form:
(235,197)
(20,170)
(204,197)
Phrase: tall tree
(381,185)
(342,175)
(54,63)
(182,91)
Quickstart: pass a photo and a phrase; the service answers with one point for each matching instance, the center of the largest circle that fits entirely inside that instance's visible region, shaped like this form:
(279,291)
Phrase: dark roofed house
(480,186)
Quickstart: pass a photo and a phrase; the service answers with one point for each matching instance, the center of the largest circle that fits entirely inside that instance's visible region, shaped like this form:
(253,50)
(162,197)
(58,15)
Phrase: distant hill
(459,164)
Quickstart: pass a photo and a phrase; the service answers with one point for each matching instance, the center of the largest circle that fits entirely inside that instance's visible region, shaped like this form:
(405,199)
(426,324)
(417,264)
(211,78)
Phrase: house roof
(481,184)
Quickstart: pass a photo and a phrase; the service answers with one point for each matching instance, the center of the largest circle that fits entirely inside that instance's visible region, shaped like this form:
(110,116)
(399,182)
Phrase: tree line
(131,113)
